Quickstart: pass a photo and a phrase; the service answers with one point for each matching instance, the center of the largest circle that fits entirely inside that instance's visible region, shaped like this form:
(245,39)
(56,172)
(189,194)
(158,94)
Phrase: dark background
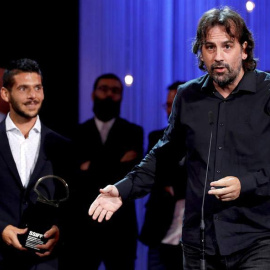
(48,33)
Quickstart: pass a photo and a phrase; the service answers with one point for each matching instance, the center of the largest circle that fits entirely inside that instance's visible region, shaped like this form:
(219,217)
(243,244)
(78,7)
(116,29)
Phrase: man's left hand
(226,189)
(53,236)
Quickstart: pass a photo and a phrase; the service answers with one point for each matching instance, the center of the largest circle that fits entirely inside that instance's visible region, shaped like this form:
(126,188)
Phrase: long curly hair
(228,18)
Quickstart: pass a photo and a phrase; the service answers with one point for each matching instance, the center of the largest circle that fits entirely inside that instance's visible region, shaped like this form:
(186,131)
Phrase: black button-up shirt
(240,147)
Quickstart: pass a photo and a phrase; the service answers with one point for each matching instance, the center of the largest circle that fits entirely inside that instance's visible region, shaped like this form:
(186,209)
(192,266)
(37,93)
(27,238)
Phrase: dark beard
(21,113)
(224,82)
(227,79)
(106,109)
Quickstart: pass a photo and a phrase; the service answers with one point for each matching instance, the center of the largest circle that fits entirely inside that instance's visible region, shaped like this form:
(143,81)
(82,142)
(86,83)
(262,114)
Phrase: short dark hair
(19,66)
(175,85)
(228,18)
(107,76)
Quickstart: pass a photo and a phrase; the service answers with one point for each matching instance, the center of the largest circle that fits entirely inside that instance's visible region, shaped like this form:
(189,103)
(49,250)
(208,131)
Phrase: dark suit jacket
(160,205)
(15,200)
(106,168)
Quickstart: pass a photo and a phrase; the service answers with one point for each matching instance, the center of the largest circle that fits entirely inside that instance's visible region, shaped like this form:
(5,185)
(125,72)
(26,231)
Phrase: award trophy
(40,216)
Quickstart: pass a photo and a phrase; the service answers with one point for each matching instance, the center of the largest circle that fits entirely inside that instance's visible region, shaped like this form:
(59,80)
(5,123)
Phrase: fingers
(53,235)
(10,236)
(106,214)
(224,197)
(97,212)
(229,181)
(46,248)
(22,231)
(226,189)
(93,207)
(102,215)
(105,204)
(107,189)
(109,215)
(220,195)
(47,253)
(54,231)
(110,190)
(224,182)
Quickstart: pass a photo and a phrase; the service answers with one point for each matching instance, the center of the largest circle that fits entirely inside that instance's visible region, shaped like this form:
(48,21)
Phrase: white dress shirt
(24,150)
(104,128)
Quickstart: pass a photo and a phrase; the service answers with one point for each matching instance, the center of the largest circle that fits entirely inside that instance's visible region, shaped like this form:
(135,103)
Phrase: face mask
(106,109)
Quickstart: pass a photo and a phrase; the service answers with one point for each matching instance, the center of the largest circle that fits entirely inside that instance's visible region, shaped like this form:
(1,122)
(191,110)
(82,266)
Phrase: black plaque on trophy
(41,215)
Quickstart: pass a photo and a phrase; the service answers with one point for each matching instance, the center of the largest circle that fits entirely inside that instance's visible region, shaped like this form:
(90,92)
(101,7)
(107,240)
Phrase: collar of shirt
(100,124)
(247,83)
(11,127)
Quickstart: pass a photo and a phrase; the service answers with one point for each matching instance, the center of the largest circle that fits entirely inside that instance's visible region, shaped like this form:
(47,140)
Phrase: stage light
(128,80)
(250,6)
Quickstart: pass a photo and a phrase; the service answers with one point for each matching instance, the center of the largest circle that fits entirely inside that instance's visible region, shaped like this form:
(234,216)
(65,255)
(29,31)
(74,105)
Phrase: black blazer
(14,198)
(106,168)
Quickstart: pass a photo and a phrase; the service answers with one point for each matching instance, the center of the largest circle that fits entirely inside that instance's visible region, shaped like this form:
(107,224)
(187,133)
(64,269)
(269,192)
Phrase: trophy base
(31,239)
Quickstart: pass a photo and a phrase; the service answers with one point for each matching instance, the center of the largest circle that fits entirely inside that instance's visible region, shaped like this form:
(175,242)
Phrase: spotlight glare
(128,80)
(250,6)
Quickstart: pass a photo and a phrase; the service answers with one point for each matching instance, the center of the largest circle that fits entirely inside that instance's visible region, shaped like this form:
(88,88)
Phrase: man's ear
(244,51)
(201,57)
(5,94)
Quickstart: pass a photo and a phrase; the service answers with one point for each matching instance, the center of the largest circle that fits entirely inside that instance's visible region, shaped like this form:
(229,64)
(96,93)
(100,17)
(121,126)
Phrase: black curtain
(46,31)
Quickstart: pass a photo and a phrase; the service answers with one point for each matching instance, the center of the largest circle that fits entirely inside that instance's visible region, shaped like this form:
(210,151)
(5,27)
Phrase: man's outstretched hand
(106,203)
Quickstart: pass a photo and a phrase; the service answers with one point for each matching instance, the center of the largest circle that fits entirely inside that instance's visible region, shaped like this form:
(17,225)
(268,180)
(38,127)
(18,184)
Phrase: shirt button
(220,147)
(221,124)
(218,171)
